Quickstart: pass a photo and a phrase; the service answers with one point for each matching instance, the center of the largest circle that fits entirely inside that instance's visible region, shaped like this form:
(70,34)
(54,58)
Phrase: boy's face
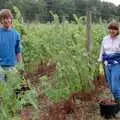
(7,22)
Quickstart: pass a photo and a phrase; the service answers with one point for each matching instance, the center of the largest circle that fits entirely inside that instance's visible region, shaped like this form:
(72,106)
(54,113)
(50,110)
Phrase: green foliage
(18,21)
(38,10)
(10,104)
(65,45)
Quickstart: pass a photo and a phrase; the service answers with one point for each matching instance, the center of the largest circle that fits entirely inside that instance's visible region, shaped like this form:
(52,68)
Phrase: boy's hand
(19,57)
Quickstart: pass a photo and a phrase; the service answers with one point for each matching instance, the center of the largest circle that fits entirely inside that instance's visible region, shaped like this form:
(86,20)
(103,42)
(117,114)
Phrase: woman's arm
(101,52)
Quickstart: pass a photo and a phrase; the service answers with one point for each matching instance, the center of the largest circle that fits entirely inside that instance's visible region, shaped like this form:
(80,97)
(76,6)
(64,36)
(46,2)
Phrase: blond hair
(5,13)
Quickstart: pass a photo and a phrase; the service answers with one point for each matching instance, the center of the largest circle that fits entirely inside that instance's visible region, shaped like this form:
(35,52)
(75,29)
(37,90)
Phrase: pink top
(109,46)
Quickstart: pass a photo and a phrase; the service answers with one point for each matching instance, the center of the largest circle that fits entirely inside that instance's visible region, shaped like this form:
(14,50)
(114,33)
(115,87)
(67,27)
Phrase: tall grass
(63,43)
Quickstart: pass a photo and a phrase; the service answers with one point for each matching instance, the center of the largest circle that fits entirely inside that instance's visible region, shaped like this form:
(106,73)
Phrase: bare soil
(79,106)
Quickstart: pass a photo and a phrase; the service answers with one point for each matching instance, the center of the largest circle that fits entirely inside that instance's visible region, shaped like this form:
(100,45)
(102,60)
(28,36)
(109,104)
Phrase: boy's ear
(1,25)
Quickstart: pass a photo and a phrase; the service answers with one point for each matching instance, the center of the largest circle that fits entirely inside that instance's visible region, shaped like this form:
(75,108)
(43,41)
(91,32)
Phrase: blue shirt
(111,58)
(9,46)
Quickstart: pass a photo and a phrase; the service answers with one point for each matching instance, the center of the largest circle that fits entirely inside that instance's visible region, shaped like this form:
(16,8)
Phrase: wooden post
(105,26)
(89,33)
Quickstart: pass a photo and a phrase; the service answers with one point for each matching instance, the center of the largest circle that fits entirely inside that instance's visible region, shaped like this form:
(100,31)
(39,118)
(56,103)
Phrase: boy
(10,53)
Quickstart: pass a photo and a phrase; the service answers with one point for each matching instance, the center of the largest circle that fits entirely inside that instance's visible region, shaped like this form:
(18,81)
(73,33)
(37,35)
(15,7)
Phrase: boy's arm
(19,57)
(18,50)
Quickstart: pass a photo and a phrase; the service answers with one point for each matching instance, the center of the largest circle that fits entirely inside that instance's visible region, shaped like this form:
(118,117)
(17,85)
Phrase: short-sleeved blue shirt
(9,46)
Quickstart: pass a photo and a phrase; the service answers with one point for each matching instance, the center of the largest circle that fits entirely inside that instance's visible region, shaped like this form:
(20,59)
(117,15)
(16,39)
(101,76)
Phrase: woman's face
(113,32)
(6,22)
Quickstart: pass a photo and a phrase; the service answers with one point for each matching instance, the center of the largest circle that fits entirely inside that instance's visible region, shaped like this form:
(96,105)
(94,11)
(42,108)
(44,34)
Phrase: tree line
(40,9)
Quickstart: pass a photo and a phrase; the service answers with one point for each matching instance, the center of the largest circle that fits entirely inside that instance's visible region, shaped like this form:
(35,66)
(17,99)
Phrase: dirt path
(79,106)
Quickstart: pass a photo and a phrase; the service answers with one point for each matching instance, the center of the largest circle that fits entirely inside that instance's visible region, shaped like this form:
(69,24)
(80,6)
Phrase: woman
(110,56)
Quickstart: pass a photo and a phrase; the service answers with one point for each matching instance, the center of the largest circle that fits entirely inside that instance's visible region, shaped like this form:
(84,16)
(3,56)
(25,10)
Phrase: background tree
(40,9)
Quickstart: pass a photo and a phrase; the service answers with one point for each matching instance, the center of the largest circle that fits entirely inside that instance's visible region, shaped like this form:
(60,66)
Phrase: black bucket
(108,110)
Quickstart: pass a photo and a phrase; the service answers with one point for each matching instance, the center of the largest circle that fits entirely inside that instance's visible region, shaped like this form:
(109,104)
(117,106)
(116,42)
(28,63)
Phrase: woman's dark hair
(113,25)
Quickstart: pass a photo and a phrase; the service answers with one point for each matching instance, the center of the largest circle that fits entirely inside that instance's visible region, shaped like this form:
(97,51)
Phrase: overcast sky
(116,2)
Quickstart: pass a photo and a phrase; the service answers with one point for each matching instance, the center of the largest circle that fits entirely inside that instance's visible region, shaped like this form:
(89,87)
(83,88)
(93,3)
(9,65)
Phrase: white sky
(116,2)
